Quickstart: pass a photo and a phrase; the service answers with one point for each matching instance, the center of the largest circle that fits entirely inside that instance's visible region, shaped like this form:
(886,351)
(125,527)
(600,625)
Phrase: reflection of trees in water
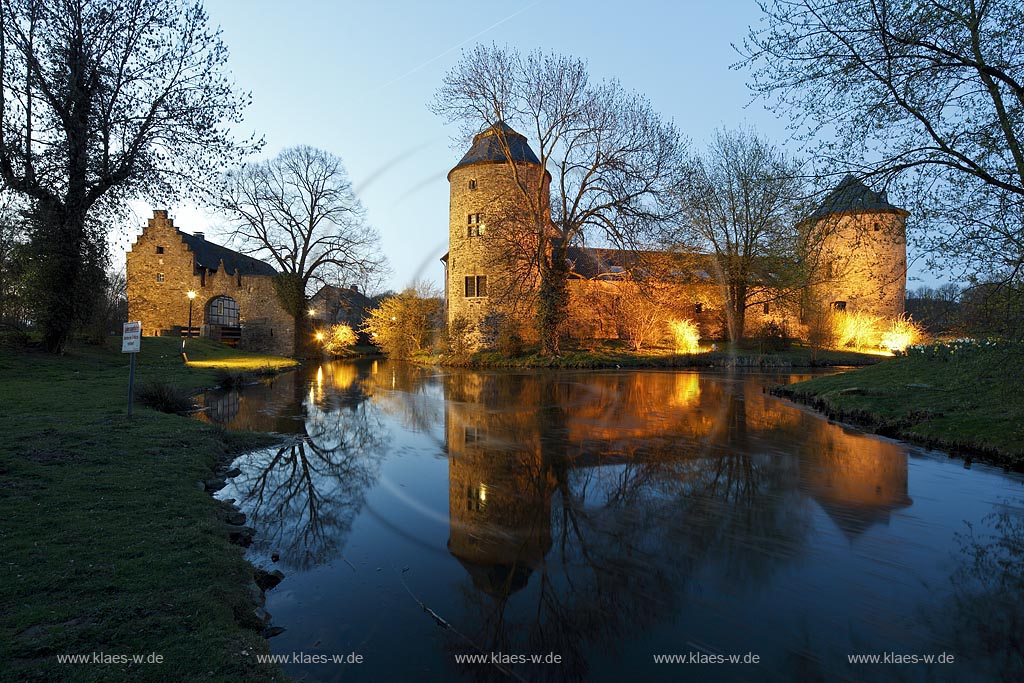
(986,618)
(408,392)
(304,495)
(631,518)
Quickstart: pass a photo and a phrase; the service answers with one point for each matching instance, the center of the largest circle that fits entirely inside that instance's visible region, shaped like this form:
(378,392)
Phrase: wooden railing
(226,335)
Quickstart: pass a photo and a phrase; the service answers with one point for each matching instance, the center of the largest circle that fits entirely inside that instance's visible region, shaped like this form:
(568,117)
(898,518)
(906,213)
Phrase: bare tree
(611,158)
(741,204)
(299,211)
(930,94)
(104,100)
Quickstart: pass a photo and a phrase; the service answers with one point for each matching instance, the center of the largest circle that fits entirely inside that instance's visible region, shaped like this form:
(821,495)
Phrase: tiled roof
(487,148)
(592,263)
(209,255)
(853,195)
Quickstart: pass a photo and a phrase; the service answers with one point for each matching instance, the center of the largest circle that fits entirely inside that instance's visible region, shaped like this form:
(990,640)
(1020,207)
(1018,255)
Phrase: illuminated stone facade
(483,187)
(862,247)
(234,293)
(863,252)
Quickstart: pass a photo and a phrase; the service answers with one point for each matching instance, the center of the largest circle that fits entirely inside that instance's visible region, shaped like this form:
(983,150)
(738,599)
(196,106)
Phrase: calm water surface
(609,516)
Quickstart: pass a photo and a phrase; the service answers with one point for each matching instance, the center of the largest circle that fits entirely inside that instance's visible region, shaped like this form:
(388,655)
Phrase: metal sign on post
(131,342)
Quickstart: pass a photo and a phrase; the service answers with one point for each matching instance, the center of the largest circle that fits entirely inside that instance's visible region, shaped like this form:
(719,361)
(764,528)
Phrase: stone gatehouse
(234,298)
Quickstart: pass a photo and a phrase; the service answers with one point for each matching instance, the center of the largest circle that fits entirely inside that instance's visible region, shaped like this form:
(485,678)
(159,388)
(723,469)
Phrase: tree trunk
(552,300)
(737,313)
(65,290)
(303,332)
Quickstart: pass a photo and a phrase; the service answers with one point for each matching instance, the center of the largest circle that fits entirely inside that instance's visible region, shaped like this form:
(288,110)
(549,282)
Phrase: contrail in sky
(457,46)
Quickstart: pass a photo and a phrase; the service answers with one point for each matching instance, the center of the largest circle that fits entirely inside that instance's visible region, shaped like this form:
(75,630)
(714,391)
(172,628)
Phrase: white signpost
(131,342)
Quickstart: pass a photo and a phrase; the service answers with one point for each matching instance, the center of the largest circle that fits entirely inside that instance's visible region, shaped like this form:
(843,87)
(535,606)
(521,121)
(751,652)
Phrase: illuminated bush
(404,325)
(857,330)
(902,332)
(685,335)
(339,340)
(861,330)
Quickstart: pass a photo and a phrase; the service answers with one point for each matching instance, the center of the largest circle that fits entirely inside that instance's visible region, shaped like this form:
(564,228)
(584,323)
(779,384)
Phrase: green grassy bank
(613,355)
(967,398)
(110,546)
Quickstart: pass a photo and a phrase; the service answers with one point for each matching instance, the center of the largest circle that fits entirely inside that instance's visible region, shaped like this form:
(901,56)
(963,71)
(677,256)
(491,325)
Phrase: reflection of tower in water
(858,480)
(499,492)
(506,449)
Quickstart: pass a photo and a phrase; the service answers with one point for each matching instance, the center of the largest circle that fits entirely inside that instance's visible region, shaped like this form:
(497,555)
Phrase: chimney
(354,288)
(200,235)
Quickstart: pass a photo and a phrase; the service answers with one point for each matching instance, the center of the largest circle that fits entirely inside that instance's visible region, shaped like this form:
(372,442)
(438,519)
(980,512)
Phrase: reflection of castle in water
(858,481)
(499,495)
(513,440)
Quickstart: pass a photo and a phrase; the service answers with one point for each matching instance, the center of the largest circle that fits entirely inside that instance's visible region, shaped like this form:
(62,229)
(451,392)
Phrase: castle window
(764,309)
(472,184)
(223,310)
(838,305)
(476,225)
(474,498)
(159,250)
(877,227)
(698,309)
(476,286)
(159,277)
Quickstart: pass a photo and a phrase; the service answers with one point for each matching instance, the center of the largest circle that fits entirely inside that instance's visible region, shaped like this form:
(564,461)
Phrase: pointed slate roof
(209,255)
(487,148)
(853,195)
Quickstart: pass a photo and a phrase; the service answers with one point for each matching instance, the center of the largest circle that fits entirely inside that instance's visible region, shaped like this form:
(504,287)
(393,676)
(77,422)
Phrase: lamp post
(191,297)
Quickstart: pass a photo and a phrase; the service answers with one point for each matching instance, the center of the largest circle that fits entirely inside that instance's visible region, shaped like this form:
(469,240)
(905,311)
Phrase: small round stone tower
(484,189)
(862,240)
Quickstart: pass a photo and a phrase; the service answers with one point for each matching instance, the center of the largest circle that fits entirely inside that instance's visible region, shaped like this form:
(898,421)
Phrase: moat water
(606,518)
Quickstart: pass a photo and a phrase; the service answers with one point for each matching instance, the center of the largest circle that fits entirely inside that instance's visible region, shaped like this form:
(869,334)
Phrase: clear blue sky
(355,79)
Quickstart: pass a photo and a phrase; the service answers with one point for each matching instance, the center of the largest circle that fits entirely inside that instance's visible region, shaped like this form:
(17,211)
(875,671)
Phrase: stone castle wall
(487,189)
(158,283)
(864,262)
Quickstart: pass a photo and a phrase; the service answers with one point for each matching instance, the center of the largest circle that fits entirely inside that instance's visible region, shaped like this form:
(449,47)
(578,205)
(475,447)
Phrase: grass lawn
(971,402)
(617,354)
(109,544)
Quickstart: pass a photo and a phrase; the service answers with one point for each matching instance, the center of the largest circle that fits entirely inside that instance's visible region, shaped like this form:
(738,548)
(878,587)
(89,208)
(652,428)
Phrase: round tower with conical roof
(485,191)
(862,244)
